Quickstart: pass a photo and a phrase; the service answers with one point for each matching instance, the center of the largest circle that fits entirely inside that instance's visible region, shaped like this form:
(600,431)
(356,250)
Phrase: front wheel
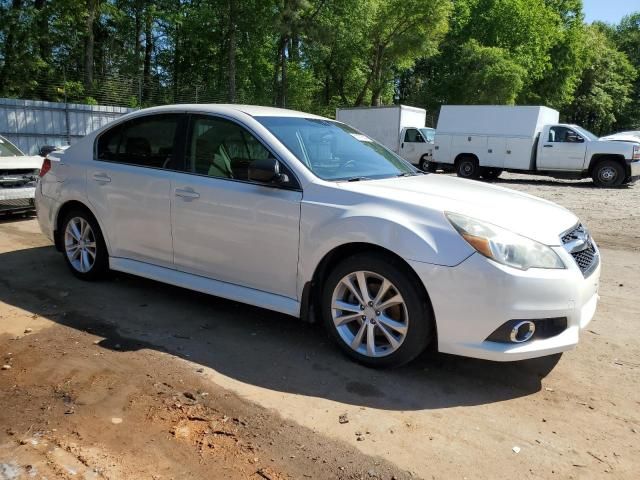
(427,166)
(376,313)
(608,173)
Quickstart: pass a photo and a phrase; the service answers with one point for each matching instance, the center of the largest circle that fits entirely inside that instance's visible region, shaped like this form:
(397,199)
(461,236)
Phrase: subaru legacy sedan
(306,216)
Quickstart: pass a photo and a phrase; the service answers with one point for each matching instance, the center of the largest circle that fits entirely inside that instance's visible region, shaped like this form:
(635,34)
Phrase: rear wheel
(608,173)
(84,248)
(468,167)
(375,312)
(491,173)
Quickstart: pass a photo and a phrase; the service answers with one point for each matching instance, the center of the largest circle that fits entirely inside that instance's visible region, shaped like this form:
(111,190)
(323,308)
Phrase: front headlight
(503,246)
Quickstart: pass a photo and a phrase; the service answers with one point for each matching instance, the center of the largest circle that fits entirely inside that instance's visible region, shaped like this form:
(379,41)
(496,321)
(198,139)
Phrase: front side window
(412,135)
(220,148)
(335,151)
(563,135)
(147,141)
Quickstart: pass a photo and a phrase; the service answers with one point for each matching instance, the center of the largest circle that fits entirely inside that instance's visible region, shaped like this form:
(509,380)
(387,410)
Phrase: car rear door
(229,228)
(129,186)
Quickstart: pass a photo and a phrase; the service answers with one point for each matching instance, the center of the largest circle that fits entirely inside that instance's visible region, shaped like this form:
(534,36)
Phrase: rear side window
(148,141)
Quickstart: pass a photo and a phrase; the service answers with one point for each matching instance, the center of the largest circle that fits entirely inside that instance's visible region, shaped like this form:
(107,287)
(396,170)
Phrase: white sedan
(306,216)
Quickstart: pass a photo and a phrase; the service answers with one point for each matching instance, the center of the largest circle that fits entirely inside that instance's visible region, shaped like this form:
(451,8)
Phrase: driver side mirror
(266,170)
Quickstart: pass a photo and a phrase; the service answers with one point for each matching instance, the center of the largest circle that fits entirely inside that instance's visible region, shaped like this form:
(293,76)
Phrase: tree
(627,37)
(605,86)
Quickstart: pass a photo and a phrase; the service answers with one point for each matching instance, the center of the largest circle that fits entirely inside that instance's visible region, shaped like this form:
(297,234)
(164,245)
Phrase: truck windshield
(429,134)
(585,133)
(8,150)
(335,151)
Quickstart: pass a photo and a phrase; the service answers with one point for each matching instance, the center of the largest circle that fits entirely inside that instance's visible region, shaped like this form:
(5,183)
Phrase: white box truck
(485,140)
(400,128)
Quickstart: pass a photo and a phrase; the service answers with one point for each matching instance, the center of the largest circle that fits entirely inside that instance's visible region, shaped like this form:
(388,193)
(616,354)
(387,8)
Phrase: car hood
(20,162)
(524,214)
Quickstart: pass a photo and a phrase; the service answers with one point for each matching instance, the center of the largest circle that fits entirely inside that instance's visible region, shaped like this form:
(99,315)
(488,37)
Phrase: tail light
(46,166)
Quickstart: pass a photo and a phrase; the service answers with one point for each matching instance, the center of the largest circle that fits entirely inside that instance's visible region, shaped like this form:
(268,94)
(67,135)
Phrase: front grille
(16,204)
(584,254)
(573,234)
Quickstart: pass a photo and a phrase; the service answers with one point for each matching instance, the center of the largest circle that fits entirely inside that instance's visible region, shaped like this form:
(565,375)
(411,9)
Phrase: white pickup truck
(483,141)
(400,128)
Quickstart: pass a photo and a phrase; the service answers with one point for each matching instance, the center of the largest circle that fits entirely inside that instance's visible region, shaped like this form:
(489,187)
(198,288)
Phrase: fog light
(522,331)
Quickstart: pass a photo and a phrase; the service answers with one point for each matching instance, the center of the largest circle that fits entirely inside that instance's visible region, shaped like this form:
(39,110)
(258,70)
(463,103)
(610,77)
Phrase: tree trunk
(42,25)
(280,73)
(232,51)
(89,44)
(148,52)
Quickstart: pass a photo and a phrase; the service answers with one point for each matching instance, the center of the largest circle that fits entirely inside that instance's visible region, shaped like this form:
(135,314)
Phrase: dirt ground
(132,379)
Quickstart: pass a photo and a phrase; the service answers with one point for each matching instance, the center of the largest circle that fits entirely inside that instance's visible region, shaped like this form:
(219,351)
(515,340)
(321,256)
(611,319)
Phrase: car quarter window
(148,141)
(221,148)
(413,136)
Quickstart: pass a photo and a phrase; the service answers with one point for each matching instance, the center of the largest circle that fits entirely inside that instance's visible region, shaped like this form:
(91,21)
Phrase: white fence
(30,124)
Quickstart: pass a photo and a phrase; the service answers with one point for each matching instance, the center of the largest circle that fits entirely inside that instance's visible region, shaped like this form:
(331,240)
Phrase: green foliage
(606,84)
(318,55)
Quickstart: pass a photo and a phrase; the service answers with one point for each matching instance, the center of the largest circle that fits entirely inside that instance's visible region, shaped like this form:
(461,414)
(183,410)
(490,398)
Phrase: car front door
(562,149)
(129,186)
(229,228)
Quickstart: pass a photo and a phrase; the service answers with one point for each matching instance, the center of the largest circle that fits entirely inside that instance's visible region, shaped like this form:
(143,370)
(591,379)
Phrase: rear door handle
(187,193)
(101,177)
(548,146)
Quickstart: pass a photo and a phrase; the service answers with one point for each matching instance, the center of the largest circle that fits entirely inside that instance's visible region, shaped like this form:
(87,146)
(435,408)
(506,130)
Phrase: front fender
(421,239)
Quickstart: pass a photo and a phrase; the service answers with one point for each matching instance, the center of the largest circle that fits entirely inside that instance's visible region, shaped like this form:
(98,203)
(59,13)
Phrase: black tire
(490,173)
(427,166)
(608,173)
(467,167)
(100,265)
(419,318)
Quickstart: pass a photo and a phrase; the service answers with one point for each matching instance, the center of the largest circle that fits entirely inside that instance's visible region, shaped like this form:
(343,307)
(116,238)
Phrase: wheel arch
(601,157)
(62,212)
(460,156)
(313,288)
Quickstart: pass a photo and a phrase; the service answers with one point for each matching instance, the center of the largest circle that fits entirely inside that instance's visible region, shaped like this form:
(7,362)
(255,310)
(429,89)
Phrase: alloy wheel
(80,244)
(369,314)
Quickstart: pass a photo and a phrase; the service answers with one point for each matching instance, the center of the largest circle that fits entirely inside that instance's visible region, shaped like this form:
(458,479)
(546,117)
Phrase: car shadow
(248,344)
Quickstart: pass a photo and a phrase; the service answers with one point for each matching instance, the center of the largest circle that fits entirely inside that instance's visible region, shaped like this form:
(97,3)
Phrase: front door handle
(101,177)
(187,193)
(548,146)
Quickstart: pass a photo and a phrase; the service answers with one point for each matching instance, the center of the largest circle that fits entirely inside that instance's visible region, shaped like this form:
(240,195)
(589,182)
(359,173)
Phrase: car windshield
(8,150)
(585,133)
(429,134)
(334,151)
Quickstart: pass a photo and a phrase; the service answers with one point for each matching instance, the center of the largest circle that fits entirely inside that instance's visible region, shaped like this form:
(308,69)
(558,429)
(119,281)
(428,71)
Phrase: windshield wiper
(408,174)
(357,179)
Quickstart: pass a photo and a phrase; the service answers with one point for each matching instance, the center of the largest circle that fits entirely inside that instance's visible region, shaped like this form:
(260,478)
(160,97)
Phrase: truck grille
(578,243)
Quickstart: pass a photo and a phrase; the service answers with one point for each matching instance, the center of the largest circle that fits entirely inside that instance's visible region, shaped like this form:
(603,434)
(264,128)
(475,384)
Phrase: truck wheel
(427,166)
(608,173)
(491,173)
(468,168)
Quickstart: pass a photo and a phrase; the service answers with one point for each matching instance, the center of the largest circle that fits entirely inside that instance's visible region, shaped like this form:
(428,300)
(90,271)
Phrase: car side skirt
(209,286)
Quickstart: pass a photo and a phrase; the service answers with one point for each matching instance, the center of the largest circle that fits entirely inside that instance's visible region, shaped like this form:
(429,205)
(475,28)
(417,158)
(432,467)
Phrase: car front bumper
(634,169)
(472,300)
(17,199)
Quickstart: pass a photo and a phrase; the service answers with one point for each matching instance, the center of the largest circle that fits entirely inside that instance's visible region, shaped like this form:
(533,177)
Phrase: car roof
(252,110)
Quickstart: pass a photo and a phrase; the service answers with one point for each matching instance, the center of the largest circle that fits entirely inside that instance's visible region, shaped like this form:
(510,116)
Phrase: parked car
(631,136)
(18,175)
(484,140)
(303,215)
(400,128)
